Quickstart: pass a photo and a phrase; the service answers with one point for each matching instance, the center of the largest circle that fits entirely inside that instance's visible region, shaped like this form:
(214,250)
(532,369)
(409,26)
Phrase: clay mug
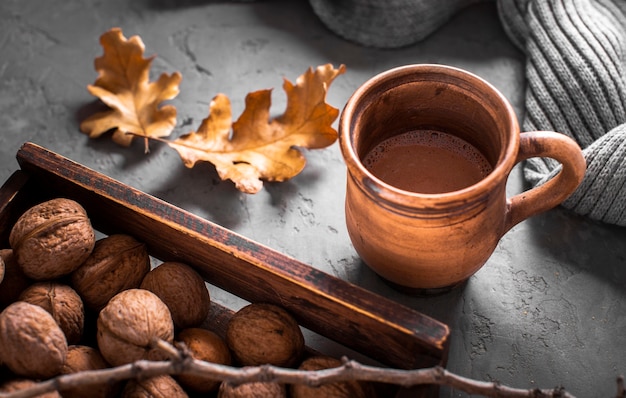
(439,126)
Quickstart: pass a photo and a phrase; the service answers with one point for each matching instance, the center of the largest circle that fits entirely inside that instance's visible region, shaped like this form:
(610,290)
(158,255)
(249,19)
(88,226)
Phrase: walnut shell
(183,290)
(22,384)
(263,333)
(52,239)
(155,387)
(204,345)
(129,324)
(343,389)
(31,342)
(1,269)
(14,281)
(81,358)
(252,390)
(62,302)
(117,262)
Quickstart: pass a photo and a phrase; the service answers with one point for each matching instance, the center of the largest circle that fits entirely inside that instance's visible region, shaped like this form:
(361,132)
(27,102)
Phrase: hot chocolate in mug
(428,150)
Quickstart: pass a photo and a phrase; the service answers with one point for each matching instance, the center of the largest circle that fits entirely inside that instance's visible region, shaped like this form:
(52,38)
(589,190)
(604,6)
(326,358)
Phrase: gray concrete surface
(549,307)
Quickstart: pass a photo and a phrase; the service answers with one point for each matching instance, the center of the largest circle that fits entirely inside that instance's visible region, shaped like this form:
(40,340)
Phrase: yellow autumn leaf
(256,148)
(123,85)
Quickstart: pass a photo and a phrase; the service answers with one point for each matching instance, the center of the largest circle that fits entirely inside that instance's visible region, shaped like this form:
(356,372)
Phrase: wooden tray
(374,326)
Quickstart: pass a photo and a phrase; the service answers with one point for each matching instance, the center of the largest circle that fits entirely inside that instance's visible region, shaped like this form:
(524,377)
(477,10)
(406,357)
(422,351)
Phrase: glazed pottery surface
(431,242)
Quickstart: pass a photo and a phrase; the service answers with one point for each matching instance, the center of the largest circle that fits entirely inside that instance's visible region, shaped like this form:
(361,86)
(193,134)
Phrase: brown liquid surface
(428,162)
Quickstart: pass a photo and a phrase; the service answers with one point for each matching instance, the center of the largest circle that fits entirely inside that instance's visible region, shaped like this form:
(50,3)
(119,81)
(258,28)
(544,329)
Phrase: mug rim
(374,185)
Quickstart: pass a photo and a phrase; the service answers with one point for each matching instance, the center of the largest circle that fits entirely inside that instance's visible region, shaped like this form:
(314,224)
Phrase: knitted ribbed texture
(576,85)
(386,23)
(575,73)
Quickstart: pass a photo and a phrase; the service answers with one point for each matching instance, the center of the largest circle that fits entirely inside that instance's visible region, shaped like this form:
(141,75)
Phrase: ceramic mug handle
(549,195)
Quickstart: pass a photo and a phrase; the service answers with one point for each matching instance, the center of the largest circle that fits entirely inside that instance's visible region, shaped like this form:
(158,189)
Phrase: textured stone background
(549,307)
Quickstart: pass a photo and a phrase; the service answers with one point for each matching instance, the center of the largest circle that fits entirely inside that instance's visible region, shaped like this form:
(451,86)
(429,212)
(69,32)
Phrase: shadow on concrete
(581,244)
(470,34)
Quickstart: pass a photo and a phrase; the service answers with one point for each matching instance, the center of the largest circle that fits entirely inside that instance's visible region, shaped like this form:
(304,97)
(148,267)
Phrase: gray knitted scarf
(575,72)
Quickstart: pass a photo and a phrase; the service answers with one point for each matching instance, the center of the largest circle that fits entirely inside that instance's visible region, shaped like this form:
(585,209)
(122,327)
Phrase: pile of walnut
(71,303)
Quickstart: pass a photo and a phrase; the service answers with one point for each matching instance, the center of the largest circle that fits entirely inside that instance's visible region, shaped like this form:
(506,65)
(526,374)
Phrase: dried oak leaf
(255,148)
(123,84)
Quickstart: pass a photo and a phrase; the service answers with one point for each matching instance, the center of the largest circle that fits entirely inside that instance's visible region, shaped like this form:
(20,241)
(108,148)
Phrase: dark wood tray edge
(384,330)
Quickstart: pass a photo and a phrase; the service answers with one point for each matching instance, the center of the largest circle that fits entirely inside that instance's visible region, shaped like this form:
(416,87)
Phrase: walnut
(81,358)
(118,262)
(263,333)
(22,384)
(129,324)
(31,342)
(256,389)
(155,387)
(342,389)
(183,290)
(204,345)
(52,239)
(62,302)
(14,281)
